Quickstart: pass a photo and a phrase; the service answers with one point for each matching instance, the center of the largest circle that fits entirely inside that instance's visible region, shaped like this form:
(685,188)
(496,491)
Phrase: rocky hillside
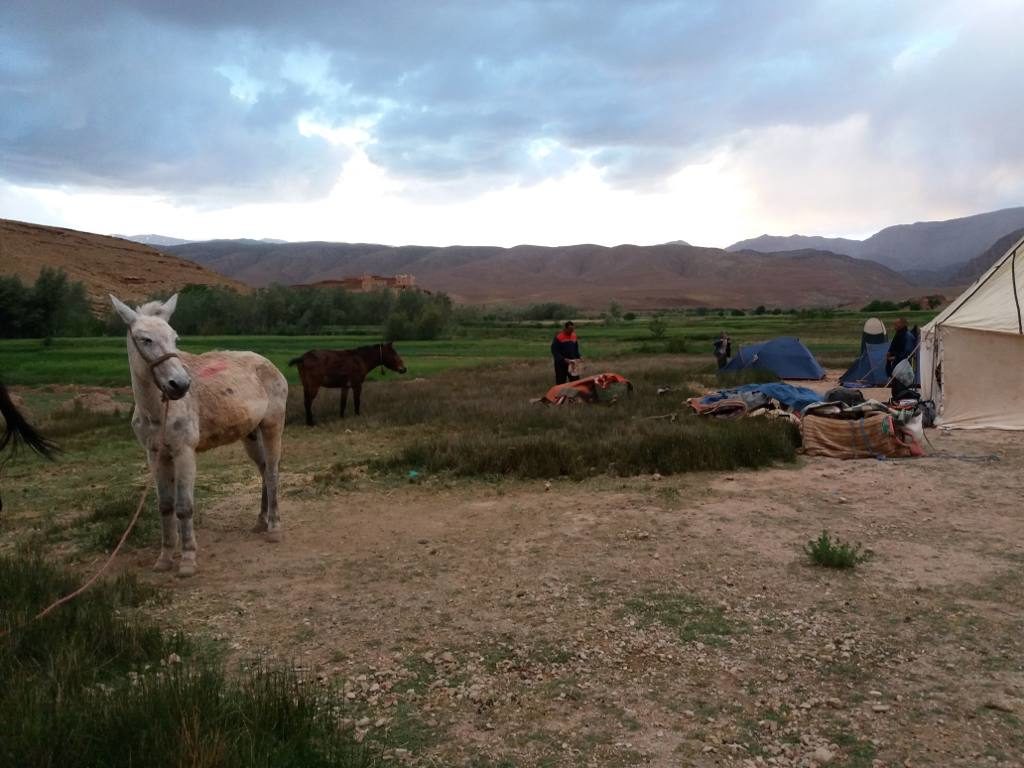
(104,264)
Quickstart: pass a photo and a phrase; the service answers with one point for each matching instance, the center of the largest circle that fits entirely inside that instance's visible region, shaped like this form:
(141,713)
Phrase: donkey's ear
(127,314)
(168,307)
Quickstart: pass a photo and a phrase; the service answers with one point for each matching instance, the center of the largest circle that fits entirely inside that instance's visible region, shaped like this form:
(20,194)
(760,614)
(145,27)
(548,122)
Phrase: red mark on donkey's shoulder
(211,369)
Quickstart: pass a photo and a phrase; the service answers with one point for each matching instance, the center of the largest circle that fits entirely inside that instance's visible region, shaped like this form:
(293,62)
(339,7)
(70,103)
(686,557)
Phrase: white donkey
(211,400)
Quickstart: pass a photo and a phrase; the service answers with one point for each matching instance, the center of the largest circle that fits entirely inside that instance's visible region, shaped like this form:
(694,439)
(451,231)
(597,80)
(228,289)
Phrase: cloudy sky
(499,123)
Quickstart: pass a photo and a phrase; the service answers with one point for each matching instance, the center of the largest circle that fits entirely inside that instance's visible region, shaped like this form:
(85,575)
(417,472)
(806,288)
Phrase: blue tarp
(790,397)
(868,370)
(785,356)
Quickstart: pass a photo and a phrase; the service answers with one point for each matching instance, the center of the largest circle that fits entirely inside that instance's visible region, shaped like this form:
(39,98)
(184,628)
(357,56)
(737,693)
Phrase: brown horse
(17,430)
(342,368)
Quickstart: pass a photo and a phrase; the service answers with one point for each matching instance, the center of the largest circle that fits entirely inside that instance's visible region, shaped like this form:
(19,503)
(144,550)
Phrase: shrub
(833,553)
(658,327)
(585,449)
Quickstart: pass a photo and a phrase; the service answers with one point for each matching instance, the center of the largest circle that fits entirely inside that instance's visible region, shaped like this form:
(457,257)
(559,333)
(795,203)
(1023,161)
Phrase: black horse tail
(297,360)
(18,430)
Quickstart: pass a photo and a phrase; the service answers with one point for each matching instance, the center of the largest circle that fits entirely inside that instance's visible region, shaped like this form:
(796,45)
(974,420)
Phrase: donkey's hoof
(163,564)
(274,536)
(186,568)
(260,527)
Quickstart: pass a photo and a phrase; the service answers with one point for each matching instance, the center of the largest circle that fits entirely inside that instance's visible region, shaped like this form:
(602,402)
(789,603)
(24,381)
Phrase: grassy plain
(472,579)
(101,361)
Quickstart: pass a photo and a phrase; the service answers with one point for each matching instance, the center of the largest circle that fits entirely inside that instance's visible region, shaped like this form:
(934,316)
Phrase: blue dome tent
(785,356)
(868,370)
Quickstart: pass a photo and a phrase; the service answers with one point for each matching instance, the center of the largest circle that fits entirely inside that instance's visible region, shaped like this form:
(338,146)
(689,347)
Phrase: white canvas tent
(972,354)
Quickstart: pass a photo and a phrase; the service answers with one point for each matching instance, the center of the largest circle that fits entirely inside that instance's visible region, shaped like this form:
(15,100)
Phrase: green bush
(418,317)
(833,553)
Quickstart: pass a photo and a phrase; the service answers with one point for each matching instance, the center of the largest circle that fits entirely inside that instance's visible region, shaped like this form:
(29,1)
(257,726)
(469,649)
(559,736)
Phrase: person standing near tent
(902,346)
(565,349)
(723,349)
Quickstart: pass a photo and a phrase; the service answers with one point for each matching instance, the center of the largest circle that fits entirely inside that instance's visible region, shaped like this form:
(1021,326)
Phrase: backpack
(844,396)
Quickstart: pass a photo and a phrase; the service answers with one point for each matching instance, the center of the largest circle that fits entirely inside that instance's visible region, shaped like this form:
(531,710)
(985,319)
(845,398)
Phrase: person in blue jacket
(902,346)
(565,348)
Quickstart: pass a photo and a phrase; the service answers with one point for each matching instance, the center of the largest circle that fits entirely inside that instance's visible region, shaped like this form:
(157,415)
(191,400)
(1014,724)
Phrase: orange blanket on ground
(603,388)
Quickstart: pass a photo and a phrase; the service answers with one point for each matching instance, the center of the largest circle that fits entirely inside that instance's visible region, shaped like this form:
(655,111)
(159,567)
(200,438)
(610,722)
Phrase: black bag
(928,412)
(844,396)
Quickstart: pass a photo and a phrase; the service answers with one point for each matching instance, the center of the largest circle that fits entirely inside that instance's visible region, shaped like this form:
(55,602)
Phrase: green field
(102,361)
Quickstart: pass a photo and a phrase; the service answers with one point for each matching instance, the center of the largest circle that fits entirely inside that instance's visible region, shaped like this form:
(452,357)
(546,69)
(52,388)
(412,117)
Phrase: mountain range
(791,271)
(588,276)
(927,251)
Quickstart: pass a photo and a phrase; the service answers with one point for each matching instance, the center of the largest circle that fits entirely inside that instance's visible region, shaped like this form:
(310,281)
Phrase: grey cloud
(130,94)
(125,105)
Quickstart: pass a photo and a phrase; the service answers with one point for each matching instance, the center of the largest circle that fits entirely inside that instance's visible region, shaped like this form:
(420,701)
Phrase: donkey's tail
(297,360)
(18,430)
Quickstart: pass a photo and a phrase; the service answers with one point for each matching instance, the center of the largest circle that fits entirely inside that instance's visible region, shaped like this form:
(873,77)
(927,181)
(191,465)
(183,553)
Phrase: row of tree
(56,306)
(52,306)
(213,310)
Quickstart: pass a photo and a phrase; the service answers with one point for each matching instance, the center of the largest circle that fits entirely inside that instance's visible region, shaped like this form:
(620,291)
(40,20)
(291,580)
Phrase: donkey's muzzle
(401,370)
(177,388)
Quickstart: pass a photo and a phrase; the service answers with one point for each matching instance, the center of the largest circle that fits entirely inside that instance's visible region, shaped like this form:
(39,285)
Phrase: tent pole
(1016,298)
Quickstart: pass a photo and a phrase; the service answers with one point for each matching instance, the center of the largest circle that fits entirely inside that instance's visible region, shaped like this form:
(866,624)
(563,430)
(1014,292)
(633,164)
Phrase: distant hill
(132,271)
(783,243)
(588,276)
(926,250)
(154,240)
(977,266)
(162,241)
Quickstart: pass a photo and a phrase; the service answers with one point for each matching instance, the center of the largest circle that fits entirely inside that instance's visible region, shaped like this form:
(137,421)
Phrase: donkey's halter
(152,363)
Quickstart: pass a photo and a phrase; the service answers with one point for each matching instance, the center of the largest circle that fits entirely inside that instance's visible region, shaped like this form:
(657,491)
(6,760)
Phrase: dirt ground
(665,622)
